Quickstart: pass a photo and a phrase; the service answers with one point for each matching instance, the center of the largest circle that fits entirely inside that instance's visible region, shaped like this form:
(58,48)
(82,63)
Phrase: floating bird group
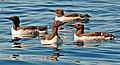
(60,19)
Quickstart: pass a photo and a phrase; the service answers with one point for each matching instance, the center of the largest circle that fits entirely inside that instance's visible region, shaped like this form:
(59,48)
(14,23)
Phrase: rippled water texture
(105,18)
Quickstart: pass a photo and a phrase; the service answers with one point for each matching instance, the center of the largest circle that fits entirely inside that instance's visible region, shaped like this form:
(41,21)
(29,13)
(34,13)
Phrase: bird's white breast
(55,41)
(65,19)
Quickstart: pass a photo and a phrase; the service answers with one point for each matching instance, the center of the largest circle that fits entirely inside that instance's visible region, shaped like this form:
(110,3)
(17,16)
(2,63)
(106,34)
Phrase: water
(105,18)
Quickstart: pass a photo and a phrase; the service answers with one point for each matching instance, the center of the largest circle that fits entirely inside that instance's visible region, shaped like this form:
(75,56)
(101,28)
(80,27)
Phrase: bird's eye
(78,24)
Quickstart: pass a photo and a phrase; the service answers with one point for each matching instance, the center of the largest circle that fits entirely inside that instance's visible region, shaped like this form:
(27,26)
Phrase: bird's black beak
(52,10)
(7,18)
(88,15)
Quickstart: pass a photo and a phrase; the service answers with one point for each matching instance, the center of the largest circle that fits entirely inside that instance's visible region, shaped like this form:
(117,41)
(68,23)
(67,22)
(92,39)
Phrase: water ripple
(105,18)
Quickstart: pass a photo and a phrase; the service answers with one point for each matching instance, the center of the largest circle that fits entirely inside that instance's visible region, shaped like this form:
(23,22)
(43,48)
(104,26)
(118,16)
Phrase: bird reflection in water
(17,45)
(53,57)
(82,43)
(79,43)
(56,54)
(55,51)
(15,57)
(19,37)
(15,39)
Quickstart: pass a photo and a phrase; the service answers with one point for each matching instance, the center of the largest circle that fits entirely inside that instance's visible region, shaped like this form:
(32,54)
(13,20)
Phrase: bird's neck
(54,31)
(60,14)
(15,26)
(79,31)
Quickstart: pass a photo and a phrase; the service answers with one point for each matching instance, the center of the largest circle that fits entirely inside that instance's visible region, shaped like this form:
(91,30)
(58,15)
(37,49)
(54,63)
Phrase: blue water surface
(105,18)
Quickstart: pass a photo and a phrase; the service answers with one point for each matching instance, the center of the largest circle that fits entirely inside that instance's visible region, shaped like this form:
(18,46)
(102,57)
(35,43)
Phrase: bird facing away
(53,39)
(25,31)
(68,17)
(92,36)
